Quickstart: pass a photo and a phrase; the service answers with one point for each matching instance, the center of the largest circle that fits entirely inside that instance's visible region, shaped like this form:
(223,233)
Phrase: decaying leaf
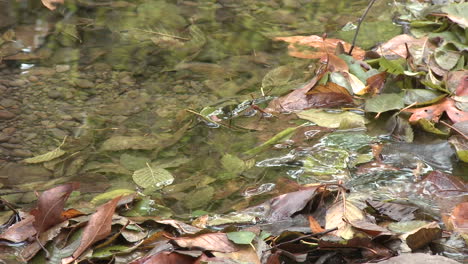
(322,46)
(434,112)
(332,120)
(50,206)
(116,143)
(98,227)
(212,241)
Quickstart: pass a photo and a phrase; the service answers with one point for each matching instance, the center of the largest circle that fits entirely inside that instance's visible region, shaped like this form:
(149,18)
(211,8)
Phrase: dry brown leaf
(50,206)
(213,241)
(322,47)
(375,83)
(98,227)
(51,4)
(396,45)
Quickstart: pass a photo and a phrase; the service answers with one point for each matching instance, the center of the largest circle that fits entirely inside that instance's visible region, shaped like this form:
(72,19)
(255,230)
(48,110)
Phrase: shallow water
(133,69)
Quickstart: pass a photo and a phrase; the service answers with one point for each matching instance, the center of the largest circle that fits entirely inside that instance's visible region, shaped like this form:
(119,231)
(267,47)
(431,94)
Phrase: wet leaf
(461,146)
(50,206)
(332,120)
(430,127)
(459,218)
(285,205)
(132,162)
(104,197)
(392,66)
(272,141)
(233,164)
(241,237)
(277,77)
(322,47)
(152,177)
(418,258)
(58,152)
(435,111)
(375,83)
(394,211)
(326,161)
(384,102)
(357,86)
(457,13)
(328,95)
(20,231)
(199,197)
(212,241)
(421,96)
(417,234)
(97,228)
(116,143)
(443,184)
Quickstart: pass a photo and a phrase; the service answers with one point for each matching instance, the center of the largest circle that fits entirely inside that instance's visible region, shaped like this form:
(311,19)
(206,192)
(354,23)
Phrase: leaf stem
(359,25)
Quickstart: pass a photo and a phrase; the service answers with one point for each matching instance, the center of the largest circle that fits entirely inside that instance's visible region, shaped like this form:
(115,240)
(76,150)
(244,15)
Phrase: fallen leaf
(322,46)
(442,184)
(459,218)
(50,206)
(98,227)
(419,258)
(328,95)
(20,231)
(339,215)
(212,241)
(285,205)
(166,258)
(435,111)
(384,102)
(375,83)
(396,212)
(396,45)
(457,13)
(51,4)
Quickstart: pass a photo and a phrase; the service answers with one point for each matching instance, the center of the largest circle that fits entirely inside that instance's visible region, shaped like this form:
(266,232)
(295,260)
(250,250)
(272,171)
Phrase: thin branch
(359,25)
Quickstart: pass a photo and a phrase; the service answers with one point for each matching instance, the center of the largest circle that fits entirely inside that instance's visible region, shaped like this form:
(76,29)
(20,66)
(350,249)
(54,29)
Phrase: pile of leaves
(314,223)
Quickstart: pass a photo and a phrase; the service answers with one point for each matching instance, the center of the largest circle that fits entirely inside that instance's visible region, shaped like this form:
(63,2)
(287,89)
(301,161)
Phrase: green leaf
(199,197)
(392,66)
(107,196)
(116,143)
(384,102)
(430,127)
(332,120)
(132,162)
(232,164)
(458,13)
(109,251)
(446,59)
(152,177)
(272,141)
(46,157)
(241,237)
(421,96)
(278,76)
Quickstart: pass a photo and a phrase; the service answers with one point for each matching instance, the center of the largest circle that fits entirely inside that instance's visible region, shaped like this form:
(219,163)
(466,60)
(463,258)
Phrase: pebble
(33,78)
(7,103)
(62,68)
(84,84)
(58,133)
(18,82)
(54,94)
(10,146)
(4,137)
(4,115)
(9,130)
(21,153)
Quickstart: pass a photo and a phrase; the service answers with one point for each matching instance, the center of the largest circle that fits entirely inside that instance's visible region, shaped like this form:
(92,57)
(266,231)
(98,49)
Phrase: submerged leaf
(116,143)
(241,237)
(332,120)
(58,152)
(152,177)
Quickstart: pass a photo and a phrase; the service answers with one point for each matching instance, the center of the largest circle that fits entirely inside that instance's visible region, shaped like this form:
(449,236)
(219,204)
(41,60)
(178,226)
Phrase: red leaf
(50,206)
(397,45)
(459,218)
(213,241)
(434,112)
(329,95)
(98,227)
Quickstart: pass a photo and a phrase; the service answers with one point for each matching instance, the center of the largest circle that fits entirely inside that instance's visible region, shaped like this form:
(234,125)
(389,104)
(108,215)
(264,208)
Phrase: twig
(303,237)
(359,25)
(455,129)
